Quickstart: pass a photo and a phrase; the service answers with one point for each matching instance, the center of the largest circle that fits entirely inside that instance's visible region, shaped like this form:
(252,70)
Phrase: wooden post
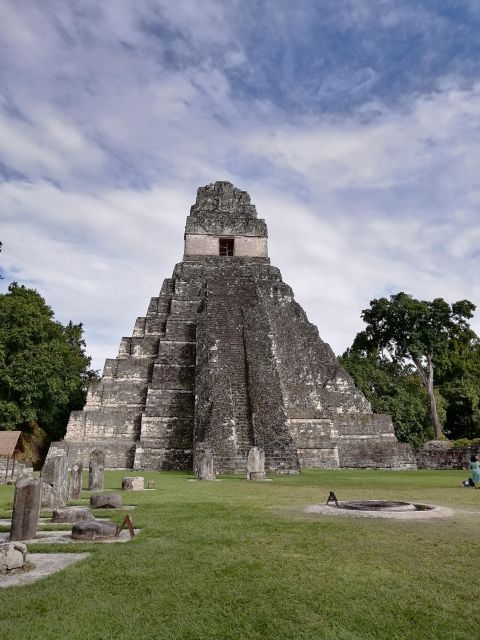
(127,522)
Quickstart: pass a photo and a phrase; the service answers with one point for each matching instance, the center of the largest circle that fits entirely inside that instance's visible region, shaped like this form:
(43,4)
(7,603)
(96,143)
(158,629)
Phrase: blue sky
(353,124)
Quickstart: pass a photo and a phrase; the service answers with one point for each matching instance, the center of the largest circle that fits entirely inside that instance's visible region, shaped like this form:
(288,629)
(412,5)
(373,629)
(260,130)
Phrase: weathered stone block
(106,501)
(48,496)
(72,514)
(133,483)
(205,465)
(54,473)
(13,556)
(93,530)
(256,464)
(75,485)
(26,509)
(96,470)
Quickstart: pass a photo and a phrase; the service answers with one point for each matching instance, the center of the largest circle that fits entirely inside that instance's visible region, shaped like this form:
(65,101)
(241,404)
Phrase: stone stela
(96,469)
(256,464)
(75,484)
(205,465)
(225,356)
(26,509)
(54,476)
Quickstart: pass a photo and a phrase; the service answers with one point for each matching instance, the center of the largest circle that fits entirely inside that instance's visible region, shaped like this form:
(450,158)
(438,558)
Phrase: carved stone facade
(225,357)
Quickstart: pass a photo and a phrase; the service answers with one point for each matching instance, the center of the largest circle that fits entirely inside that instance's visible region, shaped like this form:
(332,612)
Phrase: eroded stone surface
(12,556)
(256,464)
(93,530)
(205,469)
(26,508)
(72,514)
(106,500)
(133,483)
(54,473)
(48,496)
(75,485)
(96,470)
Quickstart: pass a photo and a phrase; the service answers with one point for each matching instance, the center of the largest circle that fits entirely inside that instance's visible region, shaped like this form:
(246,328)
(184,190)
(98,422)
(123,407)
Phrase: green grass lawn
(237,559)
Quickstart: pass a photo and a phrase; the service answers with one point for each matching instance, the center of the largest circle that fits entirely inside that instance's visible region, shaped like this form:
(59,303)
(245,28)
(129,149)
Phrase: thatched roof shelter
(11,446)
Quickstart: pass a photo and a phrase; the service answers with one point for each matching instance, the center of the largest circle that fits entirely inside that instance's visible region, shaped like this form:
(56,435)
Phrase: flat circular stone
(105,500)
(72,514)
(93,530)
(133,483)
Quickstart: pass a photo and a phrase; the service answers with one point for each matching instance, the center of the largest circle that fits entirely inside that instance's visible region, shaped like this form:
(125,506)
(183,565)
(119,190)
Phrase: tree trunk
(427,381)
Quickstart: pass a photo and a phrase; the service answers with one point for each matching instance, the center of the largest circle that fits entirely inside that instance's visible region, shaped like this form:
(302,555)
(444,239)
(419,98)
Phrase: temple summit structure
(225,359)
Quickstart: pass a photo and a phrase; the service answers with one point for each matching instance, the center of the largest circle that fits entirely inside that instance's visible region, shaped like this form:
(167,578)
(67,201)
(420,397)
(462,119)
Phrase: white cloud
(114,139)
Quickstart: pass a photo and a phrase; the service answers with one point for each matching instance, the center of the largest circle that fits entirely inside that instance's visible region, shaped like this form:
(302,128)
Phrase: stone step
(184,309)
(186,289)
(135,369)
(170,403)
(182,353)
(159,305)
(180,329)
(173,376)
(162,459)
(117,393)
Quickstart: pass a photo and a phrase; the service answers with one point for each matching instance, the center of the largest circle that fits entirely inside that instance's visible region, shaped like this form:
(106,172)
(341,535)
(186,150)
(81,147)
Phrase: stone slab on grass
(105,501)
(93,530)
(72,514)
(65,537)
(133,483)
(44,565)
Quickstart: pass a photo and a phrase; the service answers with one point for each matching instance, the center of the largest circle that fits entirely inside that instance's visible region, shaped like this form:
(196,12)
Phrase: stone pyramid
(226,359)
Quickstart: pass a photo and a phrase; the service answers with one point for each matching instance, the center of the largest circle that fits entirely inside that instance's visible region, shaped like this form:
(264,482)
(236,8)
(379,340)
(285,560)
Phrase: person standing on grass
(475,469)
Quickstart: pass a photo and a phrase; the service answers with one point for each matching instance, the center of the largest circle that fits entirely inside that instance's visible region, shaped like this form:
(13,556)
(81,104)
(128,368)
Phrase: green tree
(458,378)
(394,389)
(44,371)
(418,332)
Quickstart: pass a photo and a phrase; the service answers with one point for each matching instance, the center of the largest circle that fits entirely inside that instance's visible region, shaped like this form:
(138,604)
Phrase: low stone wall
(118,455)
(446,457)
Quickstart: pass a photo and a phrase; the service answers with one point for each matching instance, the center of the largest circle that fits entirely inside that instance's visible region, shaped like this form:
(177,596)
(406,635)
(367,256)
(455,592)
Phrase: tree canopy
(44,370)
(413,342)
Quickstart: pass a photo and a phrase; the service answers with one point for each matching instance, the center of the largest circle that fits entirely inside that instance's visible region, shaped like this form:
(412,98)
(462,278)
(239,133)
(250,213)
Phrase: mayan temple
(225,358)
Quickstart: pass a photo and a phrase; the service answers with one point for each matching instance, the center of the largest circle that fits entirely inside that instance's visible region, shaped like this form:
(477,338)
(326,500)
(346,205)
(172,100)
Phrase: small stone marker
(72,514)
(151,484)
(26,509)
(93,530)
(256,464)
(205,465)
(75,486)
(106,501)
(54,473)
(96,469)
(133,483)
(12,556)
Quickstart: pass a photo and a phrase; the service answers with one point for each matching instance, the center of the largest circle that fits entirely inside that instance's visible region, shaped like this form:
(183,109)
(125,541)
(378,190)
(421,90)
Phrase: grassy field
(233,559)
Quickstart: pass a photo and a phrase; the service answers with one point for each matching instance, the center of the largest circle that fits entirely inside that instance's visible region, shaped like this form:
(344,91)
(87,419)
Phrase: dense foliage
(420,362)
(44,370)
